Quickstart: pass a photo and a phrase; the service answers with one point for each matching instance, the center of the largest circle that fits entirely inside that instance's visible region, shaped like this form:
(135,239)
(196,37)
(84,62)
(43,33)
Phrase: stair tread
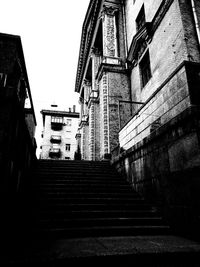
(112,227)
(89,198)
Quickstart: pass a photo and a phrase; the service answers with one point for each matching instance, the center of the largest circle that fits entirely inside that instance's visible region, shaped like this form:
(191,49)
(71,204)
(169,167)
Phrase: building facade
(102,60)
(59,134)
(138,78)
(17,142)
(17,116)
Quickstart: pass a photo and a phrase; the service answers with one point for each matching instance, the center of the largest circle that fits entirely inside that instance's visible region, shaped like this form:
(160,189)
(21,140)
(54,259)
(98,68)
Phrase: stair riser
(59,201)
(81,199)
(66,182)
(98,191)
(73,233)
(50,224)
(81,194)
(65,208)
(98,214)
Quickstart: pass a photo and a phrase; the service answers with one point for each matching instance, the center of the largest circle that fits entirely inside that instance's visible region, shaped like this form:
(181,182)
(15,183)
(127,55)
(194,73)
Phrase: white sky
(50,31)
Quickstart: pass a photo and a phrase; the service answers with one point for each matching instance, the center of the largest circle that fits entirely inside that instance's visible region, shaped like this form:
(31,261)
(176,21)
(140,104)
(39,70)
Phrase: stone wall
(164,168)
(119,89)
(170,99)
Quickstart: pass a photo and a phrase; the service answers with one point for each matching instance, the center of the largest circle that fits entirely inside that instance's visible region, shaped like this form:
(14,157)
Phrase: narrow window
(145,69)
(140,20)
(67,147)
(3,78)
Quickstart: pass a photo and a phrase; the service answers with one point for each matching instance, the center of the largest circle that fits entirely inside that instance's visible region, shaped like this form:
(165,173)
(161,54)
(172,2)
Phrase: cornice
(104,67)
(87,33)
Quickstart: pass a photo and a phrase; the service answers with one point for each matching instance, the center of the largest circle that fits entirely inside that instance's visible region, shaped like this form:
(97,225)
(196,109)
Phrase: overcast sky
(50,31)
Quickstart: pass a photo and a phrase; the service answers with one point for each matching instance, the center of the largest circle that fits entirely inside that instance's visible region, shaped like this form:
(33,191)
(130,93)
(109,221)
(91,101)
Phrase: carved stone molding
(96,51)
(110,10)
(87,83)
(105,114)
(109,31)
(92,133)
(139,42)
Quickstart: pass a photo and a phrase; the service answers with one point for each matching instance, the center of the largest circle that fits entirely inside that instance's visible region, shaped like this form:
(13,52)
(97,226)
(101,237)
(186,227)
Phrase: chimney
(74,108)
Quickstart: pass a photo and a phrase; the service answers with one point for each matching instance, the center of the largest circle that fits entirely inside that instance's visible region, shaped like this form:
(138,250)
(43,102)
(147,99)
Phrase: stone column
(87,91)
(92,131)
(109,31)
(93,107)
(96,61)
(83,141)
(104,120)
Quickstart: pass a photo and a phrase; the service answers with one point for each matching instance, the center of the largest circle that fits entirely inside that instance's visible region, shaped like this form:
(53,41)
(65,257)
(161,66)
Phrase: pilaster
(109,31)
(104,121)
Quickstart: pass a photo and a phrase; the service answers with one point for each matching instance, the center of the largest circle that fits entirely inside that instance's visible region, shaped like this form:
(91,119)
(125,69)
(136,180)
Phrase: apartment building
(59,133)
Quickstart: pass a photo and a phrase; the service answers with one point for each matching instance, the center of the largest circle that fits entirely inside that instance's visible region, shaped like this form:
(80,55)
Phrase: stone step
(97,231)
(86,213)
(87,200)
(72,162)
(85,190)
(80,182)
(77,175)
(53,206)
(99,221)
(67,180)
(87,194)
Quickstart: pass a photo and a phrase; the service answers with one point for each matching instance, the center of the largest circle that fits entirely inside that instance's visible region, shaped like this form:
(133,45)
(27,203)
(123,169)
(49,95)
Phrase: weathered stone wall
(161,146)
(168,101)
(132,10)
(164,167)
(166,50)
(118,90)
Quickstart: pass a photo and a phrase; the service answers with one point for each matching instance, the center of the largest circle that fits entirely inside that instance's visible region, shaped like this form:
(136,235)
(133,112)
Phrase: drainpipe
(196,20)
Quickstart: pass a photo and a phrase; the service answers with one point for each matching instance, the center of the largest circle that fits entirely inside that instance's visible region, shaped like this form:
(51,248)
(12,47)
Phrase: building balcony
(55,139)
(54,152)
(56,125)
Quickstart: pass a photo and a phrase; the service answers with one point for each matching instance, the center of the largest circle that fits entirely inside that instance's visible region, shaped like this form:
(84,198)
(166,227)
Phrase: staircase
(76,199)
(83,212)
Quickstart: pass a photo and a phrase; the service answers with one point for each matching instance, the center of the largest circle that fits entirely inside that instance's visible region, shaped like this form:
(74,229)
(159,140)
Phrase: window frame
(68,147)
(145,68)
(57,119)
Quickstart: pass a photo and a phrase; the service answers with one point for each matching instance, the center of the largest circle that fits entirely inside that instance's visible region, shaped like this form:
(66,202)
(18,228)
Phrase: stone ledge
(192,113)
